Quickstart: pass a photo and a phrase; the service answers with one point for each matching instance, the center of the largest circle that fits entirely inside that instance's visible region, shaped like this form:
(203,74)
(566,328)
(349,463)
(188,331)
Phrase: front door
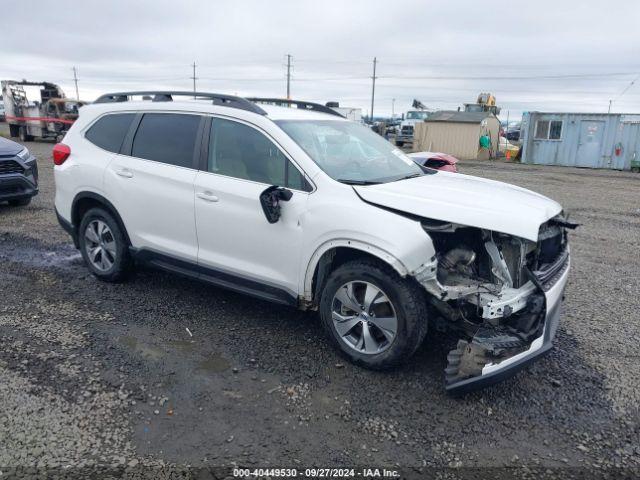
(589,152)
(234,236)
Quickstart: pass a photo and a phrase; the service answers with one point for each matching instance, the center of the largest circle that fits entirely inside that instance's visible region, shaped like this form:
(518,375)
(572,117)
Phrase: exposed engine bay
(489,287)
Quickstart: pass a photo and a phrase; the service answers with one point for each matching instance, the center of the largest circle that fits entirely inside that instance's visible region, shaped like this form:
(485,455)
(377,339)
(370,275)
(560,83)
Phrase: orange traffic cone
(508,154)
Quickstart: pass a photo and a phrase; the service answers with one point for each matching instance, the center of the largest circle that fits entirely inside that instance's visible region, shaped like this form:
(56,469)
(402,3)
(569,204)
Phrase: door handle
(207,196)
(124,173)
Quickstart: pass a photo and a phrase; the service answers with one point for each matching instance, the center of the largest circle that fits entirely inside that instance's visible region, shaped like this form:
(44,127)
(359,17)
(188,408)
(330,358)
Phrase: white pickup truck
(405,132)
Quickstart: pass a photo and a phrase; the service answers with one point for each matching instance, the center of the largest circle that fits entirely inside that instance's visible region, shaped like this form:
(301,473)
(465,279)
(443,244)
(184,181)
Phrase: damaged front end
(502,294)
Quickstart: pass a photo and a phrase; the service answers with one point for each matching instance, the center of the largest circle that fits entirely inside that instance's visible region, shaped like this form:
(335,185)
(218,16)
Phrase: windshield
(417,115)
(349,152)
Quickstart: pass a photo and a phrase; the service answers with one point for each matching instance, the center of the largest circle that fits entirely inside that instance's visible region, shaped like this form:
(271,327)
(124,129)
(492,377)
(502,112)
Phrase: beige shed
(458,134)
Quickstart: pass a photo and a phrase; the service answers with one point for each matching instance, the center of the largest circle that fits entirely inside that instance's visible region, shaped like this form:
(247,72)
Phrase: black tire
(123,262)
(24,136)
(14,131)
(408,300)
(20,202)
(399,143)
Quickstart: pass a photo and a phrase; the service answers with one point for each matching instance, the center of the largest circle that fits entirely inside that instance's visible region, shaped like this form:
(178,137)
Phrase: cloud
(544,55)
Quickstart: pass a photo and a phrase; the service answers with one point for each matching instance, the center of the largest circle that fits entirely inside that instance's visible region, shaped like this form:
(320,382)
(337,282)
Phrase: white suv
(302,207)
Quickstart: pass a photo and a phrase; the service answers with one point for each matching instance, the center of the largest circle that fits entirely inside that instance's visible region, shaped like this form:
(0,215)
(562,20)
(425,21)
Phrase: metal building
(458,134)
(592,140)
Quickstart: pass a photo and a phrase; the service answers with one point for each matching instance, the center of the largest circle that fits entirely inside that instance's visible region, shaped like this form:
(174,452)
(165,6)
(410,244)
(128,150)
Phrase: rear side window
(167,137)
(109,131)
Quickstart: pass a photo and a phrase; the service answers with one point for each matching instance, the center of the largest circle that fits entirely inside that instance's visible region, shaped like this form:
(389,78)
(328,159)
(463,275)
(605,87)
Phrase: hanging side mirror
(270,200)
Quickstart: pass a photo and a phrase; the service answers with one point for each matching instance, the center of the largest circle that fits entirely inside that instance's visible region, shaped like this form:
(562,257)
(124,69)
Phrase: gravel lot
(93,374)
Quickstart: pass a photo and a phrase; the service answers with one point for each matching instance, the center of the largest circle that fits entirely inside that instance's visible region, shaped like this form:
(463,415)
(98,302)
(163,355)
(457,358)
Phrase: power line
(623,92)
(504,77)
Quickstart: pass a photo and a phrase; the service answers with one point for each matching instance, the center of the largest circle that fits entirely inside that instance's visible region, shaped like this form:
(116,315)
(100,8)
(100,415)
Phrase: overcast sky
(536,55)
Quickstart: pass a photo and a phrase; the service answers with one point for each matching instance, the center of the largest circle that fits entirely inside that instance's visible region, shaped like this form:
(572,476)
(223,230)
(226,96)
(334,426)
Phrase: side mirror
(270,200)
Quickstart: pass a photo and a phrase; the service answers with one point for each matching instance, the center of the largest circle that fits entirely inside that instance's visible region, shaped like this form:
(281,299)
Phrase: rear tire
(20,202)
(397,297)
(103,246)
(14,131)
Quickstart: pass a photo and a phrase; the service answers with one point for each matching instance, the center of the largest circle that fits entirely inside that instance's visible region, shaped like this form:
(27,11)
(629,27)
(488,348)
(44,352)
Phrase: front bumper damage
(491,372)
(506,311)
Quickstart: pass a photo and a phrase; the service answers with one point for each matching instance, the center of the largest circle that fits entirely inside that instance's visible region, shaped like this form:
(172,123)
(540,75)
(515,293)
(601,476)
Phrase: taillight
(60,153)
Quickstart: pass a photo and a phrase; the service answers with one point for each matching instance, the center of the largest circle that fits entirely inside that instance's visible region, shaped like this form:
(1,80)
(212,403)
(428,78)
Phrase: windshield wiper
(357,182)
(411,175)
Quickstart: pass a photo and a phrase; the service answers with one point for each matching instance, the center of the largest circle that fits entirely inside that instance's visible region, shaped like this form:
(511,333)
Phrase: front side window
(167,137)
(349,152)
(240,151)
(109,131)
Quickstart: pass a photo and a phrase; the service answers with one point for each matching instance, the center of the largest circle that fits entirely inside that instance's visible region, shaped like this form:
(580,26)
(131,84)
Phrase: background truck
(353,114)
(49,117)
(405,131)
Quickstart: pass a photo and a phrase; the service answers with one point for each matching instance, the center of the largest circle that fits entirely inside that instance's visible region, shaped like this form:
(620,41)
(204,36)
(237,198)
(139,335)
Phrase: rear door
(151,183)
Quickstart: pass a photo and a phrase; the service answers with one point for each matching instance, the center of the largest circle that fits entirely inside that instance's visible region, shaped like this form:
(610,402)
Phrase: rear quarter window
(109,131)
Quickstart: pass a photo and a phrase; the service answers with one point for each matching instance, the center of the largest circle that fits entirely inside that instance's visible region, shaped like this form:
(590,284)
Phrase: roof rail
(316,107)
(167,96)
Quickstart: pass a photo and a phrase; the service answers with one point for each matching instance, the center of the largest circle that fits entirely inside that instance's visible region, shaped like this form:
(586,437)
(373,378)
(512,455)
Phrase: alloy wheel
(100,245)
(364,317)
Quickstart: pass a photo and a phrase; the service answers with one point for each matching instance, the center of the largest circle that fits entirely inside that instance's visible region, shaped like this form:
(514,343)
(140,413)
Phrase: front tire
(104,246)
(375,317)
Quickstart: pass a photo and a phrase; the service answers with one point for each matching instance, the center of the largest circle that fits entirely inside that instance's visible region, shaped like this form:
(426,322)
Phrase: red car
(437,161)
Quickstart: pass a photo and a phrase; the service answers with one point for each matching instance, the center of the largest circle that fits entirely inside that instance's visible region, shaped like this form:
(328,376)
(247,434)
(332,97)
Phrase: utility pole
(393,109)
(75,79)
(373,88)
(289,77)
(194,78)
(610,102)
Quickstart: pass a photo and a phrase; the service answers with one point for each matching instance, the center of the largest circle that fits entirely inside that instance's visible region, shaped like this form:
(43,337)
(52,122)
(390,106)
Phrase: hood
(9,147)
(466,200)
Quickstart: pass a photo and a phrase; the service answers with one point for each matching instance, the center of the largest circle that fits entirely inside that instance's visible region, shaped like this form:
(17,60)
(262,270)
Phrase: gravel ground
(94,375)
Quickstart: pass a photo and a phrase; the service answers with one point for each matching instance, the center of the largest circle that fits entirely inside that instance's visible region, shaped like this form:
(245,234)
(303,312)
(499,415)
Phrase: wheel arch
(83,202)
(333,253)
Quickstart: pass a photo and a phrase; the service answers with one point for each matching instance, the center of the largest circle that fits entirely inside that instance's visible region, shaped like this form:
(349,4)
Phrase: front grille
(10,166)
(407,130)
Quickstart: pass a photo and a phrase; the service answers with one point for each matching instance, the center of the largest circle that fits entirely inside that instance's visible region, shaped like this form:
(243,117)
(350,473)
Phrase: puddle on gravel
(66,256)
(214,364)
(187,346)
(147,351)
